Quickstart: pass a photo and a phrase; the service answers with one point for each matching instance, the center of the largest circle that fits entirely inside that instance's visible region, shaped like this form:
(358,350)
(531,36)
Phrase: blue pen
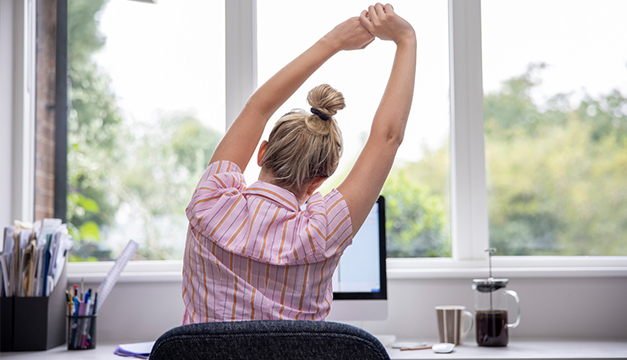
(82,327)
(74,323)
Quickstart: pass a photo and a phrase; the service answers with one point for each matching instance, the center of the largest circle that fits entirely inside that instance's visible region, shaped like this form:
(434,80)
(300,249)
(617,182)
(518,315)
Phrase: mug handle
(513,294)
(468,315)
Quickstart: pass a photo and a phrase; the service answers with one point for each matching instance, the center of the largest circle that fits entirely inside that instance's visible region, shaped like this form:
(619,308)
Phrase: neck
(266,176)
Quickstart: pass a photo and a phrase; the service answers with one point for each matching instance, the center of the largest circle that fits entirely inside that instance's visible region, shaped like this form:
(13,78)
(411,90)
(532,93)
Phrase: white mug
(450,319)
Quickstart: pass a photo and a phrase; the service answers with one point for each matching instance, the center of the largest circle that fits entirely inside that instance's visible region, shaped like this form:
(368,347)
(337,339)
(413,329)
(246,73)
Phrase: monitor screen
(361,272)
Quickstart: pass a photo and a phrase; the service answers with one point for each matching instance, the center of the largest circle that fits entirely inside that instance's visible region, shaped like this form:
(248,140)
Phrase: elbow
(394,139)
(390,133)
(397,139)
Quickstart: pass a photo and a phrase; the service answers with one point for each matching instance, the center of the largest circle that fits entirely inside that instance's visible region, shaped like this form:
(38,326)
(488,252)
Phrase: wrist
(330,44)
(408,38)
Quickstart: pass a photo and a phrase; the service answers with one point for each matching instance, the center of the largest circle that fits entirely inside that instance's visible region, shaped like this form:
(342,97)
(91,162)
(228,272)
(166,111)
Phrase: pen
(95,309)
(86,322)
(80,325)
(75,322)
(69,303)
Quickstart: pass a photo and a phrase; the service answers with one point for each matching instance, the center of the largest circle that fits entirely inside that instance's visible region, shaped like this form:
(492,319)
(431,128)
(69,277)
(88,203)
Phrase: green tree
(93,126)
(416,219)
(556,171)
(157,177)
(116,166)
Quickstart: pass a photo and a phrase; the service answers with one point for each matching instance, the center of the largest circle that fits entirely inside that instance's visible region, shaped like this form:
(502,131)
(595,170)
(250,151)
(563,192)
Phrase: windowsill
(397,269)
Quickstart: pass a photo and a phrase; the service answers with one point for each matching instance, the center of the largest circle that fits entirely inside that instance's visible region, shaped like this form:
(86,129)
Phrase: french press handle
(513,294)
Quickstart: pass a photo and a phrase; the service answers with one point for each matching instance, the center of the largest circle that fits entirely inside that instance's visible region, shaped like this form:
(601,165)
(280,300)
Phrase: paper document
(138,350)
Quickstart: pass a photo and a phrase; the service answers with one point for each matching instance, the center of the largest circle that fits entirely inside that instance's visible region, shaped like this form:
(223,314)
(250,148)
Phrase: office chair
(272,339)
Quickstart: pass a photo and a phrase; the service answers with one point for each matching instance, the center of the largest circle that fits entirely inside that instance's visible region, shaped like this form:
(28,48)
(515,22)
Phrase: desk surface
(523,349)
(526,349)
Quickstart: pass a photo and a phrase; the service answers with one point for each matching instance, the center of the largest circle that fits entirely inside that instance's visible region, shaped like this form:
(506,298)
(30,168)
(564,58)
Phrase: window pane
(417,190)
(555,118)
(147,109)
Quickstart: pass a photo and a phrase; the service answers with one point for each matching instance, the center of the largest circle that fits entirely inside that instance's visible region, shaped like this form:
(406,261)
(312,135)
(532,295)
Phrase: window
(555,119)
(147,109)
(417,190)
(478,206)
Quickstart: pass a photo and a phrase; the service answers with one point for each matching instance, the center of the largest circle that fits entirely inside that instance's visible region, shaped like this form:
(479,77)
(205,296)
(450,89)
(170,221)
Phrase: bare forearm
(269,97)
(363,184)
(391,117)
(388,129)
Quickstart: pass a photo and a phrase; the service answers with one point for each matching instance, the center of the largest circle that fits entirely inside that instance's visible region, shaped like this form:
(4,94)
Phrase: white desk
(526,349)
(520,349)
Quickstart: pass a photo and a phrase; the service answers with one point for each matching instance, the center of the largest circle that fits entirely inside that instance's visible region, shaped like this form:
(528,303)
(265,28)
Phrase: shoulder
(329,225)
(330,209)
(221,184)
(223,174)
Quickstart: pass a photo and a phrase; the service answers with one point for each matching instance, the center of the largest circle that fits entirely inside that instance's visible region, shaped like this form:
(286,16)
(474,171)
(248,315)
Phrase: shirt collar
(283,197)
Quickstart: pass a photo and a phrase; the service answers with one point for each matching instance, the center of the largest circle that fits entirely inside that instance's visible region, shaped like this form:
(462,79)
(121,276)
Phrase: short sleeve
(329,226)
(220,185)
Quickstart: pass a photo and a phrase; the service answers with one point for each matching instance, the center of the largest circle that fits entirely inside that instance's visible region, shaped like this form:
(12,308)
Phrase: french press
(491,309)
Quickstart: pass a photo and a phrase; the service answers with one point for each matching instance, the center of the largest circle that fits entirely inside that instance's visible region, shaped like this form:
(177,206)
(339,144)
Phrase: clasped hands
(378,21)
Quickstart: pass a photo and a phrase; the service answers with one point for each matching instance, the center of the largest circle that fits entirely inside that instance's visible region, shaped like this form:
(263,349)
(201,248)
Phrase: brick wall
(45,114)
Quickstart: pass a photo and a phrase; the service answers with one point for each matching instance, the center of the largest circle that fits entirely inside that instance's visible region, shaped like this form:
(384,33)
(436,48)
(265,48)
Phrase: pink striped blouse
(253,254)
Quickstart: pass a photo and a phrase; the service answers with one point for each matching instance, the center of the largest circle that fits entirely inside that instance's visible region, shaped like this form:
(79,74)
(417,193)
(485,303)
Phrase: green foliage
(89,231)
(93,126)
(416,219)
(115,164)
(556,177)
(512,109)
(163,165)
(83,35)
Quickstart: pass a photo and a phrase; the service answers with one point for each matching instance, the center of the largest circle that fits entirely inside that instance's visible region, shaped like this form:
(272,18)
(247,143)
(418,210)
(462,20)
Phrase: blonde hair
(303,146)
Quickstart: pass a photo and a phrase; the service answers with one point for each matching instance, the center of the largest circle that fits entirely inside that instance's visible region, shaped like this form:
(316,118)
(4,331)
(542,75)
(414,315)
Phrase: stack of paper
(138,350)
(32,257)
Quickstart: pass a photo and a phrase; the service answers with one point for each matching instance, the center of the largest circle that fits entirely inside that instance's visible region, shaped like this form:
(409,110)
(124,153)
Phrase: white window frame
(18,27)
(468,181)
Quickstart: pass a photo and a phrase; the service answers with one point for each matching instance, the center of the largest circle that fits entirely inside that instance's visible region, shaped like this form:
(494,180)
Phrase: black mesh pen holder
(81,332)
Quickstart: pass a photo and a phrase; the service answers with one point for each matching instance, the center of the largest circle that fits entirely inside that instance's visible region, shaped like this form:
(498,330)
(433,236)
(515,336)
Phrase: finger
(365,21)
(389,8)
(380,10)
(373,15)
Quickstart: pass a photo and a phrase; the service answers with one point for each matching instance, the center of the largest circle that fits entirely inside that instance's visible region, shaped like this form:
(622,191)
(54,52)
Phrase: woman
(268,251)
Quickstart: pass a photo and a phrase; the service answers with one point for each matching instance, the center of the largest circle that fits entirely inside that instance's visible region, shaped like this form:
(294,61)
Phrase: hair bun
(326,100)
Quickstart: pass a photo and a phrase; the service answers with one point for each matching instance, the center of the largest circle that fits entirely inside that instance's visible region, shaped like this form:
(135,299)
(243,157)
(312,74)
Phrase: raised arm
(365,180)
(240,141)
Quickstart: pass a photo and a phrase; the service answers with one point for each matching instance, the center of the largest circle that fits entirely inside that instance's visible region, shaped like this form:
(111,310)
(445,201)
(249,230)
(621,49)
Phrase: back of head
(304,146)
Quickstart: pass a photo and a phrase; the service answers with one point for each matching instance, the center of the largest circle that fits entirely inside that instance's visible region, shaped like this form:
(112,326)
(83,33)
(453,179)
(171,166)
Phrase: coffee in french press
(491,309)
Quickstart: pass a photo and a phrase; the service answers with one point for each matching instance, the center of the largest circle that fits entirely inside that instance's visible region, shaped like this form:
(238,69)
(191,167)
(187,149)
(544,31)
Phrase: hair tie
(320,114)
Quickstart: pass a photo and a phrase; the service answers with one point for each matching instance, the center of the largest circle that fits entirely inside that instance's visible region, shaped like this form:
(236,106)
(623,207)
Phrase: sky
(165,58)
(584,44)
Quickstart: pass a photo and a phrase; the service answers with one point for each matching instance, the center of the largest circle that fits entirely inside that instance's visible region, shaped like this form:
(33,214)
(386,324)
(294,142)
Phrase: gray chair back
(273,339)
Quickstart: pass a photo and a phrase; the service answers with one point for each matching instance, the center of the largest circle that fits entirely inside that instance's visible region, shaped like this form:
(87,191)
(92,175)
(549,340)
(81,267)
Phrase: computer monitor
(359,282)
